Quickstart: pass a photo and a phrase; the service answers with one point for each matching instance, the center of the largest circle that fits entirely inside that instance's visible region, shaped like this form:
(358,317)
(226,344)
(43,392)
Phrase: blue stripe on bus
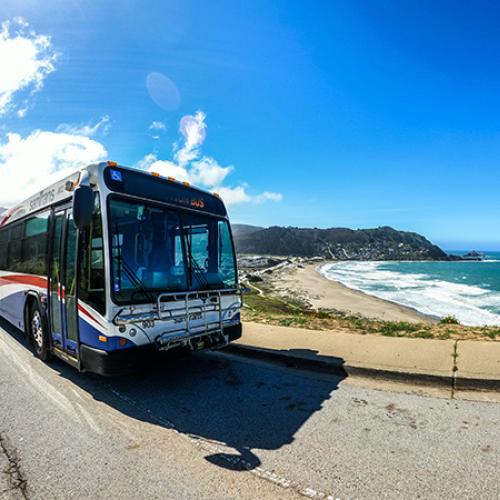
(90,336)
(12,304)
(12,309)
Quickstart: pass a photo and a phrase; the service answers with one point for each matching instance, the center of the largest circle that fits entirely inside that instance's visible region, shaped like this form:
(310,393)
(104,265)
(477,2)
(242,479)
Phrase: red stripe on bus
(41,282)
(9,214)
(87,313)
(22,279)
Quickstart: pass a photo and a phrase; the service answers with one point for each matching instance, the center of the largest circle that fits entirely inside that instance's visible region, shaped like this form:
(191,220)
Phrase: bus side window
(34,244)
(92,275)
(14,262)
(4,241)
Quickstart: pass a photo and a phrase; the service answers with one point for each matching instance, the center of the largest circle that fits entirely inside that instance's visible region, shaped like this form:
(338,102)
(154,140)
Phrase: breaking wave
(428,293)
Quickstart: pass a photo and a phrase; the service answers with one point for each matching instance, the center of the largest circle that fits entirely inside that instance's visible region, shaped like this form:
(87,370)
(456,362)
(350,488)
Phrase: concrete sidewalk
(463,365)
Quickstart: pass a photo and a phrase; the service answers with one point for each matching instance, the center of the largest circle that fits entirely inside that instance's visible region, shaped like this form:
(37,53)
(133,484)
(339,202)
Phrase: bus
(111,265)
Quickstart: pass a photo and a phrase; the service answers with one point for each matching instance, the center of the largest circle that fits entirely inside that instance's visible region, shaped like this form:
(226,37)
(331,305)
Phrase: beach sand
(307,284)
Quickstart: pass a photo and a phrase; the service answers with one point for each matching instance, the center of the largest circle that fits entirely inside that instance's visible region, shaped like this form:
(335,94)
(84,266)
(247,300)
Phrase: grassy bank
(262,306)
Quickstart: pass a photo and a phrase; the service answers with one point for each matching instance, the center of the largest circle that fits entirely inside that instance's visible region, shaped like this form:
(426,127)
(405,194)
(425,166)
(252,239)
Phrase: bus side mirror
(83,206)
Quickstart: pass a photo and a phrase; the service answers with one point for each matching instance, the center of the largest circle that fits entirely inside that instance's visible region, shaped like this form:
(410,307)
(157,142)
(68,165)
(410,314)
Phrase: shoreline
(307,284)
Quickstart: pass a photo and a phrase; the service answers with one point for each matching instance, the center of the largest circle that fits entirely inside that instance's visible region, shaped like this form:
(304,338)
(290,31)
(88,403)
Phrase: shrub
(449,320)
(424,334)
(391,328)
(492,334)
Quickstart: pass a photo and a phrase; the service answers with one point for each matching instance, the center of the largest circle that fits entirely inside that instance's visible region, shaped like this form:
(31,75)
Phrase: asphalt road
(215,426)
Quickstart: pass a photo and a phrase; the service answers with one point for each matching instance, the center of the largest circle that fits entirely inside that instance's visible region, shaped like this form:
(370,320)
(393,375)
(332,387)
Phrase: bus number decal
(198,203)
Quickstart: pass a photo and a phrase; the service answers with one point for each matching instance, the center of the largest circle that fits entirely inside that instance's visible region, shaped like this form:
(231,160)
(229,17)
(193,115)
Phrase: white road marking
(211,447)
(8,348)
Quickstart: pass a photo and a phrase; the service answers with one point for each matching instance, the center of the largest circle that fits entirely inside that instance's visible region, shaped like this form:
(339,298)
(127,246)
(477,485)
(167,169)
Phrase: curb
(477,384)
(339,368)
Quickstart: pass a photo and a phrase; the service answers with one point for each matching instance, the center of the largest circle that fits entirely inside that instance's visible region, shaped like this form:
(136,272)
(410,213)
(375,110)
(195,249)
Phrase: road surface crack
(454,370)
(15,475)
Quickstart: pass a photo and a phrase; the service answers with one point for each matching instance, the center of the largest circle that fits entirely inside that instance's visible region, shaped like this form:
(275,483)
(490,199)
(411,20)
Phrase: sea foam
(470,304)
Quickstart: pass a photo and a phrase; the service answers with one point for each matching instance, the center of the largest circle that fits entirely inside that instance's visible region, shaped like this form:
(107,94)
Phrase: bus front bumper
(121,361)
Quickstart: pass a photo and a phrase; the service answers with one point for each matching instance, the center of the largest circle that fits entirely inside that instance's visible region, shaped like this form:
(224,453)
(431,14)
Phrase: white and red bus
(112,264)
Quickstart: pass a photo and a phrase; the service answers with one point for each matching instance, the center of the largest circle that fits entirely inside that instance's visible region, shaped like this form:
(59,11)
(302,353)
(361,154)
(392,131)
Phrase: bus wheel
(38,334)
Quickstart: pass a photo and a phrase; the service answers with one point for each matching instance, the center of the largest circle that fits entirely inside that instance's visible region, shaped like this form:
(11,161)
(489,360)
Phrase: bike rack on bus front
(185,314)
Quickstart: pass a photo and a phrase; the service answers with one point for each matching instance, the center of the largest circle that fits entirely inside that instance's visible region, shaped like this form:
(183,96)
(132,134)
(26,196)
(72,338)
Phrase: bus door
(62,284)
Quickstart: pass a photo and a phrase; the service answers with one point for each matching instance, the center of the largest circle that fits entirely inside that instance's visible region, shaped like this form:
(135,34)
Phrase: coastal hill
(382,243)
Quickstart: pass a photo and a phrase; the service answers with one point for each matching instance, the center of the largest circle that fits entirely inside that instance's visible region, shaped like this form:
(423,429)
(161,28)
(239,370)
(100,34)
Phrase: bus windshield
(156,249)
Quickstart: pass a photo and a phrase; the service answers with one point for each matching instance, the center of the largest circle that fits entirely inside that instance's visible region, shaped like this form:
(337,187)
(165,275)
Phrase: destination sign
(144,185)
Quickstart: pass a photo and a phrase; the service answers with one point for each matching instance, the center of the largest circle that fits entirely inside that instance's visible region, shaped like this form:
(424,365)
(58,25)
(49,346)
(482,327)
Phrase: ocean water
(470,291)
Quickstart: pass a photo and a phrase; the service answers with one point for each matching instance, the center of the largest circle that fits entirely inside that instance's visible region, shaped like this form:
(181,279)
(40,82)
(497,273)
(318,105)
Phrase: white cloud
(26,59)
(190,165)
(233,196)
(28,164)
(157,125)
(86,129)
(193,128)
(146,162)
(170,169)
(207,172)
(267,196)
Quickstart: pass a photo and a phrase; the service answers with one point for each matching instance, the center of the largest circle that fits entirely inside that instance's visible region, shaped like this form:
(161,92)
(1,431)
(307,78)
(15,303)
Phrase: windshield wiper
(137,281)
(199,272)
(195,270)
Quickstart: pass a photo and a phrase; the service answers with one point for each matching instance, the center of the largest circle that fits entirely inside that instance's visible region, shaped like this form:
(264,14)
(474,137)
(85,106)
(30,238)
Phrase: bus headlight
(230,313)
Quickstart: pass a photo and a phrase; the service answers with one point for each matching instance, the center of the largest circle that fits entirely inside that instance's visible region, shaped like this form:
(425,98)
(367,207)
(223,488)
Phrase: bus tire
(38,333)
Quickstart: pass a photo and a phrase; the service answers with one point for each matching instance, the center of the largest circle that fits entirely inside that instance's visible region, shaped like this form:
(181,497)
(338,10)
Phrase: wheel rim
(37,329)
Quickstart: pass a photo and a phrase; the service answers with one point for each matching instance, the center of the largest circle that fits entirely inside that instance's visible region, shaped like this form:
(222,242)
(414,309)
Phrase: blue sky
(330,113)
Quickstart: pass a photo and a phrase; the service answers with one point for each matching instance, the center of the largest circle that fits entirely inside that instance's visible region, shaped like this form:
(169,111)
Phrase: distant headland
(382,243)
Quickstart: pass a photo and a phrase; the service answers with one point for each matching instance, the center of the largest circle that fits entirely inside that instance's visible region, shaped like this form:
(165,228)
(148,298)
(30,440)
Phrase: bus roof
(109,176)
